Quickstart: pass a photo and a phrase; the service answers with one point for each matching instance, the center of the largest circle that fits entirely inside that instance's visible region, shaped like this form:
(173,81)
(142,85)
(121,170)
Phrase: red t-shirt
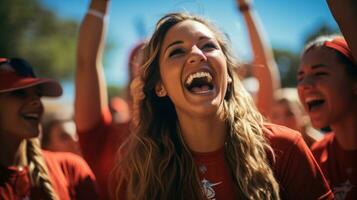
(295,169)
(70,175)
(338,165)
(99,146)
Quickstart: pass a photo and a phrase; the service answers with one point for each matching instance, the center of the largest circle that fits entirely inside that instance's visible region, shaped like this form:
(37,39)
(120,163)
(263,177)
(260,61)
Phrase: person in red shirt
(327,86)
(100,132)
(196,133)
(27,172)
(60,135)
(279,105)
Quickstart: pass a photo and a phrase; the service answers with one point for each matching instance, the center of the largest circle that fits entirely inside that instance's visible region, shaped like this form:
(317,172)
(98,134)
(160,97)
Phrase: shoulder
(294,166)
(67,161)
(61,157)
(281,136)
(320,148)
(323,143)
(71,171)
(286,143)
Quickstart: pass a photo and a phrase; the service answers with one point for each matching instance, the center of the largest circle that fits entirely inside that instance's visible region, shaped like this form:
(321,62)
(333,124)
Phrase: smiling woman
(328,90)
(197,134)
(26,172)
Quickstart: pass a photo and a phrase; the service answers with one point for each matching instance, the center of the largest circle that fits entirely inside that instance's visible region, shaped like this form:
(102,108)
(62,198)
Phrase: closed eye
(19,93)
(209,46)
(300,77)
(321,73)
(176,52)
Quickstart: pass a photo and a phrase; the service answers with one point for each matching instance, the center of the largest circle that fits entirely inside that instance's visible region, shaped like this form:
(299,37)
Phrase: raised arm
(264,66)
(91,94)
(345,14)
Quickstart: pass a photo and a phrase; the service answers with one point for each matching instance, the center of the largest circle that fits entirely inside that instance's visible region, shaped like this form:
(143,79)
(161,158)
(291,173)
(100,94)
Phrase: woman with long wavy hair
(26,171)
(196,132)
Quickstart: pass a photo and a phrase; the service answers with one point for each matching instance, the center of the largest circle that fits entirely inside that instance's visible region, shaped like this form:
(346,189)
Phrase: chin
(319,124)
(33,133)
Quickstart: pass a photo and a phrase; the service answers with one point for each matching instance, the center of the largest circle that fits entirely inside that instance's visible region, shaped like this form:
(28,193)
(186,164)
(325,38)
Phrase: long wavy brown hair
(155,163)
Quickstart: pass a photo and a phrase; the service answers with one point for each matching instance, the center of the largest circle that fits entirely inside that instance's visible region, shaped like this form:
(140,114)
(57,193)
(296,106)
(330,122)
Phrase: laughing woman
(198,135)
(26,172)
(327,86)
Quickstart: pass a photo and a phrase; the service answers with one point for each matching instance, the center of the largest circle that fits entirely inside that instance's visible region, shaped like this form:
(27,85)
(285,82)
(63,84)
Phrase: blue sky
(286,23)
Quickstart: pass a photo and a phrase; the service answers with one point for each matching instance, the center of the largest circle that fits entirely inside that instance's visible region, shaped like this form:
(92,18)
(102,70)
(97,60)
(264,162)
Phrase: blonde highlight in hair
(155,163)
(31,154)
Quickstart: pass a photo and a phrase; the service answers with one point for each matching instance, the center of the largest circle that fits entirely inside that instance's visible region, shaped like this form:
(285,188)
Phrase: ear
(229,79)
(160,90)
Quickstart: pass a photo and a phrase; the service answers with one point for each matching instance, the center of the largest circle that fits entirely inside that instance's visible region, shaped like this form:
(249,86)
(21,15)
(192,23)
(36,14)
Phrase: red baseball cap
(16,74)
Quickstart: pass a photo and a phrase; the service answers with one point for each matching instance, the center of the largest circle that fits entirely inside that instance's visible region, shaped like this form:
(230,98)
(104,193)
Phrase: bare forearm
(264,66)
(91,96)
(345,14)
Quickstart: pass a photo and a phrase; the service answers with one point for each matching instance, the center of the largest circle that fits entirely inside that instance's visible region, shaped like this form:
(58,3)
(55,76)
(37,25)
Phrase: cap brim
(48,87)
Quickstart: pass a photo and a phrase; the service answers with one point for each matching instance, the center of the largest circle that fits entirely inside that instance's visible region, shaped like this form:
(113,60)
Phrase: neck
(346,132)
(203,134)
(9,151)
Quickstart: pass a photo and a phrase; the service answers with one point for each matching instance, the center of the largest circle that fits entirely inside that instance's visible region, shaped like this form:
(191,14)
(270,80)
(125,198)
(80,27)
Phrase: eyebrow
(180,41)
(174,43)
(317,66)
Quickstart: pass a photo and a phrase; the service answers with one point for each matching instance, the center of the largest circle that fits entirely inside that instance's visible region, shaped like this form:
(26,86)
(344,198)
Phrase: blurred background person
(263,66)
(278,105)
(102,126)
(60,135)
(288,111)
(327,86)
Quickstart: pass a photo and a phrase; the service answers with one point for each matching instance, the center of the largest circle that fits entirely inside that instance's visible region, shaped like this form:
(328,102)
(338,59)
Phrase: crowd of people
(188,128)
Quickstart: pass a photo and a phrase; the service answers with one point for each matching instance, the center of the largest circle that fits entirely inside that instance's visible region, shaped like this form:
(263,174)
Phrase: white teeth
(309,99)
(198,75)
(32,115)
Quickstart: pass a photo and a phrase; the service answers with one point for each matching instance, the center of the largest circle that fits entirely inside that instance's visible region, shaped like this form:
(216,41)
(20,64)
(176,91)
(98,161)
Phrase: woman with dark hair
(280,105)
(327,86)
(197,134)
(26,172)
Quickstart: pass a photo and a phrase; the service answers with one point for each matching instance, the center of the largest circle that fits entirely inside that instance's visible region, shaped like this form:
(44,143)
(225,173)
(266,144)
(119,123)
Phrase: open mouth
(199,83)
(314,104)
(33,117)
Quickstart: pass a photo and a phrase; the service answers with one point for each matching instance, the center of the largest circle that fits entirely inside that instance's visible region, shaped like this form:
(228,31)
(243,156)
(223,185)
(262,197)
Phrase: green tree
(35,33)
(323,29)
(288,63)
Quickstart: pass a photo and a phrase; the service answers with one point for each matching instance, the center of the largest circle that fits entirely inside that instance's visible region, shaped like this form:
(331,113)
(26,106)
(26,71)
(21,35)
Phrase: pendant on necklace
(203,169)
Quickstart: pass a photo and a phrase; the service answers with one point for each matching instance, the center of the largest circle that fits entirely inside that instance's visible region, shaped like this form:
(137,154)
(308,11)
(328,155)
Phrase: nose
(35,101)
(196,56)
(306,83)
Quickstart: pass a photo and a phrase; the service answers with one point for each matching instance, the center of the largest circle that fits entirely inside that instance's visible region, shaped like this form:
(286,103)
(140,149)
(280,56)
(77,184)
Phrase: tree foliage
(288,63)
(30,31)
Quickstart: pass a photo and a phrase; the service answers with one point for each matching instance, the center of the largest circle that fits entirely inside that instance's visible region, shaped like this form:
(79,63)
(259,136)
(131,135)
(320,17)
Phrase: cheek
(299,92)
(335,90)
(171,77)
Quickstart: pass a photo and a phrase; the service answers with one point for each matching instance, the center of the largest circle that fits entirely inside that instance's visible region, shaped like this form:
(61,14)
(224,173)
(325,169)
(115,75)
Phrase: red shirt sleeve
(295,168)
(71,176)
(93,139)
(99,146)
